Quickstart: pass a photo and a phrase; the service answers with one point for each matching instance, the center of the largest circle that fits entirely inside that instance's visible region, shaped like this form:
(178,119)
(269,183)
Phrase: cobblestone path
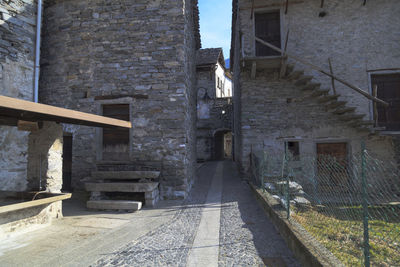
(246,237)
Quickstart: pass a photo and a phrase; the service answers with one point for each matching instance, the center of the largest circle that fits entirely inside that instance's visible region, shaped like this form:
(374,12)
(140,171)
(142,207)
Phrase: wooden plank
(375,94)
(292,2)
(253,69)
(34,203)
(9,103)
(332,80)
(362,92)
(27,126)
(283,61)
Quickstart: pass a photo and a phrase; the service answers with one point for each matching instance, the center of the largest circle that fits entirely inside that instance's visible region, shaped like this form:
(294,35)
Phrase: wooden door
(332,167)
(388,90)
(116,140)
(268,28)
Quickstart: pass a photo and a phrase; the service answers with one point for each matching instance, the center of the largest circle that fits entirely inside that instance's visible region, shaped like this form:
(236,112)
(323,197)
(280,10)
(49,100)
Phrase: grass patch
(340,230)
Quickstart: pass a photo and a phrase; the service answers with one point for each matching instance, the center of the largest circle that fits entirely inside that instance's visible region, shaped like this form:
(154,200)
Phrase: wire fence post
(365,206)
(287,181)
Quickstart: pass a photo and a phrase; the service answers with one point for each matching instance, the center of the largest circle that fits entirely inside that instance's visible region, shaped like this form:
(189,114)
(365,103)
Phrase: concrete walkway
(219,224)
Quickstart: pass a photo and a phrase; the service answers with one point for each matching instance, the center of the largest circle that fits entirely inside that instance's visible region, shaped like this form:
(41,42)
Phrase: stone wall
(268,120)
(357,38)
(350,37)
(45,158)
(135,52)
(17,52)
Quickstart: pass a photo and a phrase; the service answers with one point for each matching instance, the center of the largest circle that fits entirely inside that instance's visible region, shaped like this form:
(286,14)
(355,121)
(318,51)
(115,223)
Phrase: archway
(222,144)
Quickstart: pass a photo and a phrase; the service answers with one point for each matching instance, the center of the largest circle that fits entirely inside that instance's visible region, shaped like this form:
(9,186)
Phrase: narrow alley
(220,223)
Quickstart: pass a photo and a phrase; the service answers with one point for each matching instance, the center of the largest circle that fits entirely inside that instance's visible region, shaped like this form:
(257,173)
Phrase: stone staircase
(330,101)
(119,190)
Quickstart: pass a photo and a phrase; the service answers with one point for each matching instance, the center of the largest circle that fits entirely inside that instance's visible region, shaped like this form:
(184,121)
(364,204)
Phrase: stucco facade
(270,110)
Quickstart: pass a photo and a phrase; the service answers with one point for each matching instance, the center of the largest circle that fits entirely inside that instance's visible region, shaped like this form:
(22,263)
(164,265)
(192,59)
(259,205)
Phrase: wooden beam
(253,69)
(355,88)
(286,7)
(252,9)
(12,104)
(34,203)
(332,80)
(29,126)
(292,2)
(375,94)
(388,69)
(284,58)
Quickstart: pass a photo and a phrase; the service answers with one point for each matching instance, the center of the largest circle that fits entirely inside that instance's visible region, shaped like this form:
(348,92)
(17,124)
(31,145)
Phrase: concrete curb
(305,248)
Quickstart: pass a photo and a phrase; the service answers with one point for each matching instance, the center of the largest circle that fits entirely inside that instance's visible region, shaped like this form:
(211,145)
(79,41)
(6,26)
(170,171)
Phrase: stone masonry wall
(269,119)
(134,52)
(357,38)
(45,158)
(17,54)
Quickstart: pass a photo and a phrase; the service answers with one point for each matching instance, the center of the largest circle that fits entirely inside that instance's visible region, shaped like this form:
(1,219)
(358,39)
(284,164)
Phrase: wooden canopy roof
(12,110)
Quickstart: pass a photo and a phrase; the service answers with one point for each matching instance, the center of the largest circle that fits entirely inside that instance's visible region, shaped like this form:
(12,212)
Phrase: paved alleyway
(219,224)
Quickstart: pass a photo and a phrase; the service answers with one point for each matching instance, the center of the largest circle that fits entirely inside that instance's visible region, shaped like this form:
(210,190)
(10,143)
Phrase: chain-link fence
(350,205)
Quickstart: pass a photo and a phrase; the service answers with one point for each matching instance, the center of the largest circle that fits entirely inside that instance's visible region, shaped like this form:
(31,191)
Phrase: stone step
(114,205)
(310,86)
(125,175)
(120,187)
(336,104)
(344,110)
(362,123)
(328,98)
(303,80)
(319,92)
(295,75)
(289,69)
(351,117)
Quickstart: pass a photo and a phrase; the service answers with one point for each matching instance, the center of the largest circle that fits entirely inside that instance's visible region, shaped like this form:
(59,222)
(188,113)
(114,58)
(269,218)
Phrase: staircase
(330,101)
(119,190)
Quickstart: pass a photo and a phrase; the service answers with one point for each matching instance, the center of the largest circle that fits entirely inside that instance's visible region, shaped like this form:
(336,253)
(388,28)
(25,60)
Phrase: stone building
(214,106)
(279,101)
(31,136)
(130,60)
(17,56)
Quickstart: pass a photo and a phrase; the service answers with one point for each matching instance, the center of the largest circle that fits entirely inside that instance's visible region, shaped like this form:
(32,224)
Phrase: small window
(294,149)
(218,82)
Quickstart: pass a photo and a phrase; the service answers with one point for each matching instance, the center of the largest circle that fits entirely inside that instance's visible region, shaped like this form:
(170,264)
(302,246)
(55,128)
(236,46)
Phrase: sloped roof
(210,56)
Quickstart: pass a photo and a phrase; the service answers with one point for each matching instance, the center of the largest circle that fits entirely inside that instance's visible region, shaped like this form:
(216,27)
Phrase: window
(218,83)
(388,90)
(268,28)
(294,149)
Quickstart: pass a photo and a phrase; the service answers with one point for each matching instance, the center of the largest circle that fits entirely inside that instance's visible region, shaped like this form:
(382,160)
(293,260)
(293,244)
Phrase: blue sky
(215,24)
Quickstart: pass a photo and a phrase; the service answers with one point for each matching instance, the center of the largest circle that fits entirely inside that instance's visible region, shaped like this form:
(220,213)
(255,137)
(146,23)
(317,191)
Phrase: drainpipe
(37,55)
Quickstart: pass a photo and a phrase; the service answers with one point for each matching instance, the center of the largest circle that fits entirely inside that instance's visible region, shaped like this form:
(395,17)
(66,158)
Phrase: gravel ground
(246,235)
(168,245)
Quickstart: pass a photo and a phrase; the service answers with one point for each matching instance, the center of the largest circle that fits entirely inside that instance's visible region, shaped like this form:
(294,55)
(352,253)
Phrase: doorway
(223,145)
(67,163)
(268,28)
(332,167)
